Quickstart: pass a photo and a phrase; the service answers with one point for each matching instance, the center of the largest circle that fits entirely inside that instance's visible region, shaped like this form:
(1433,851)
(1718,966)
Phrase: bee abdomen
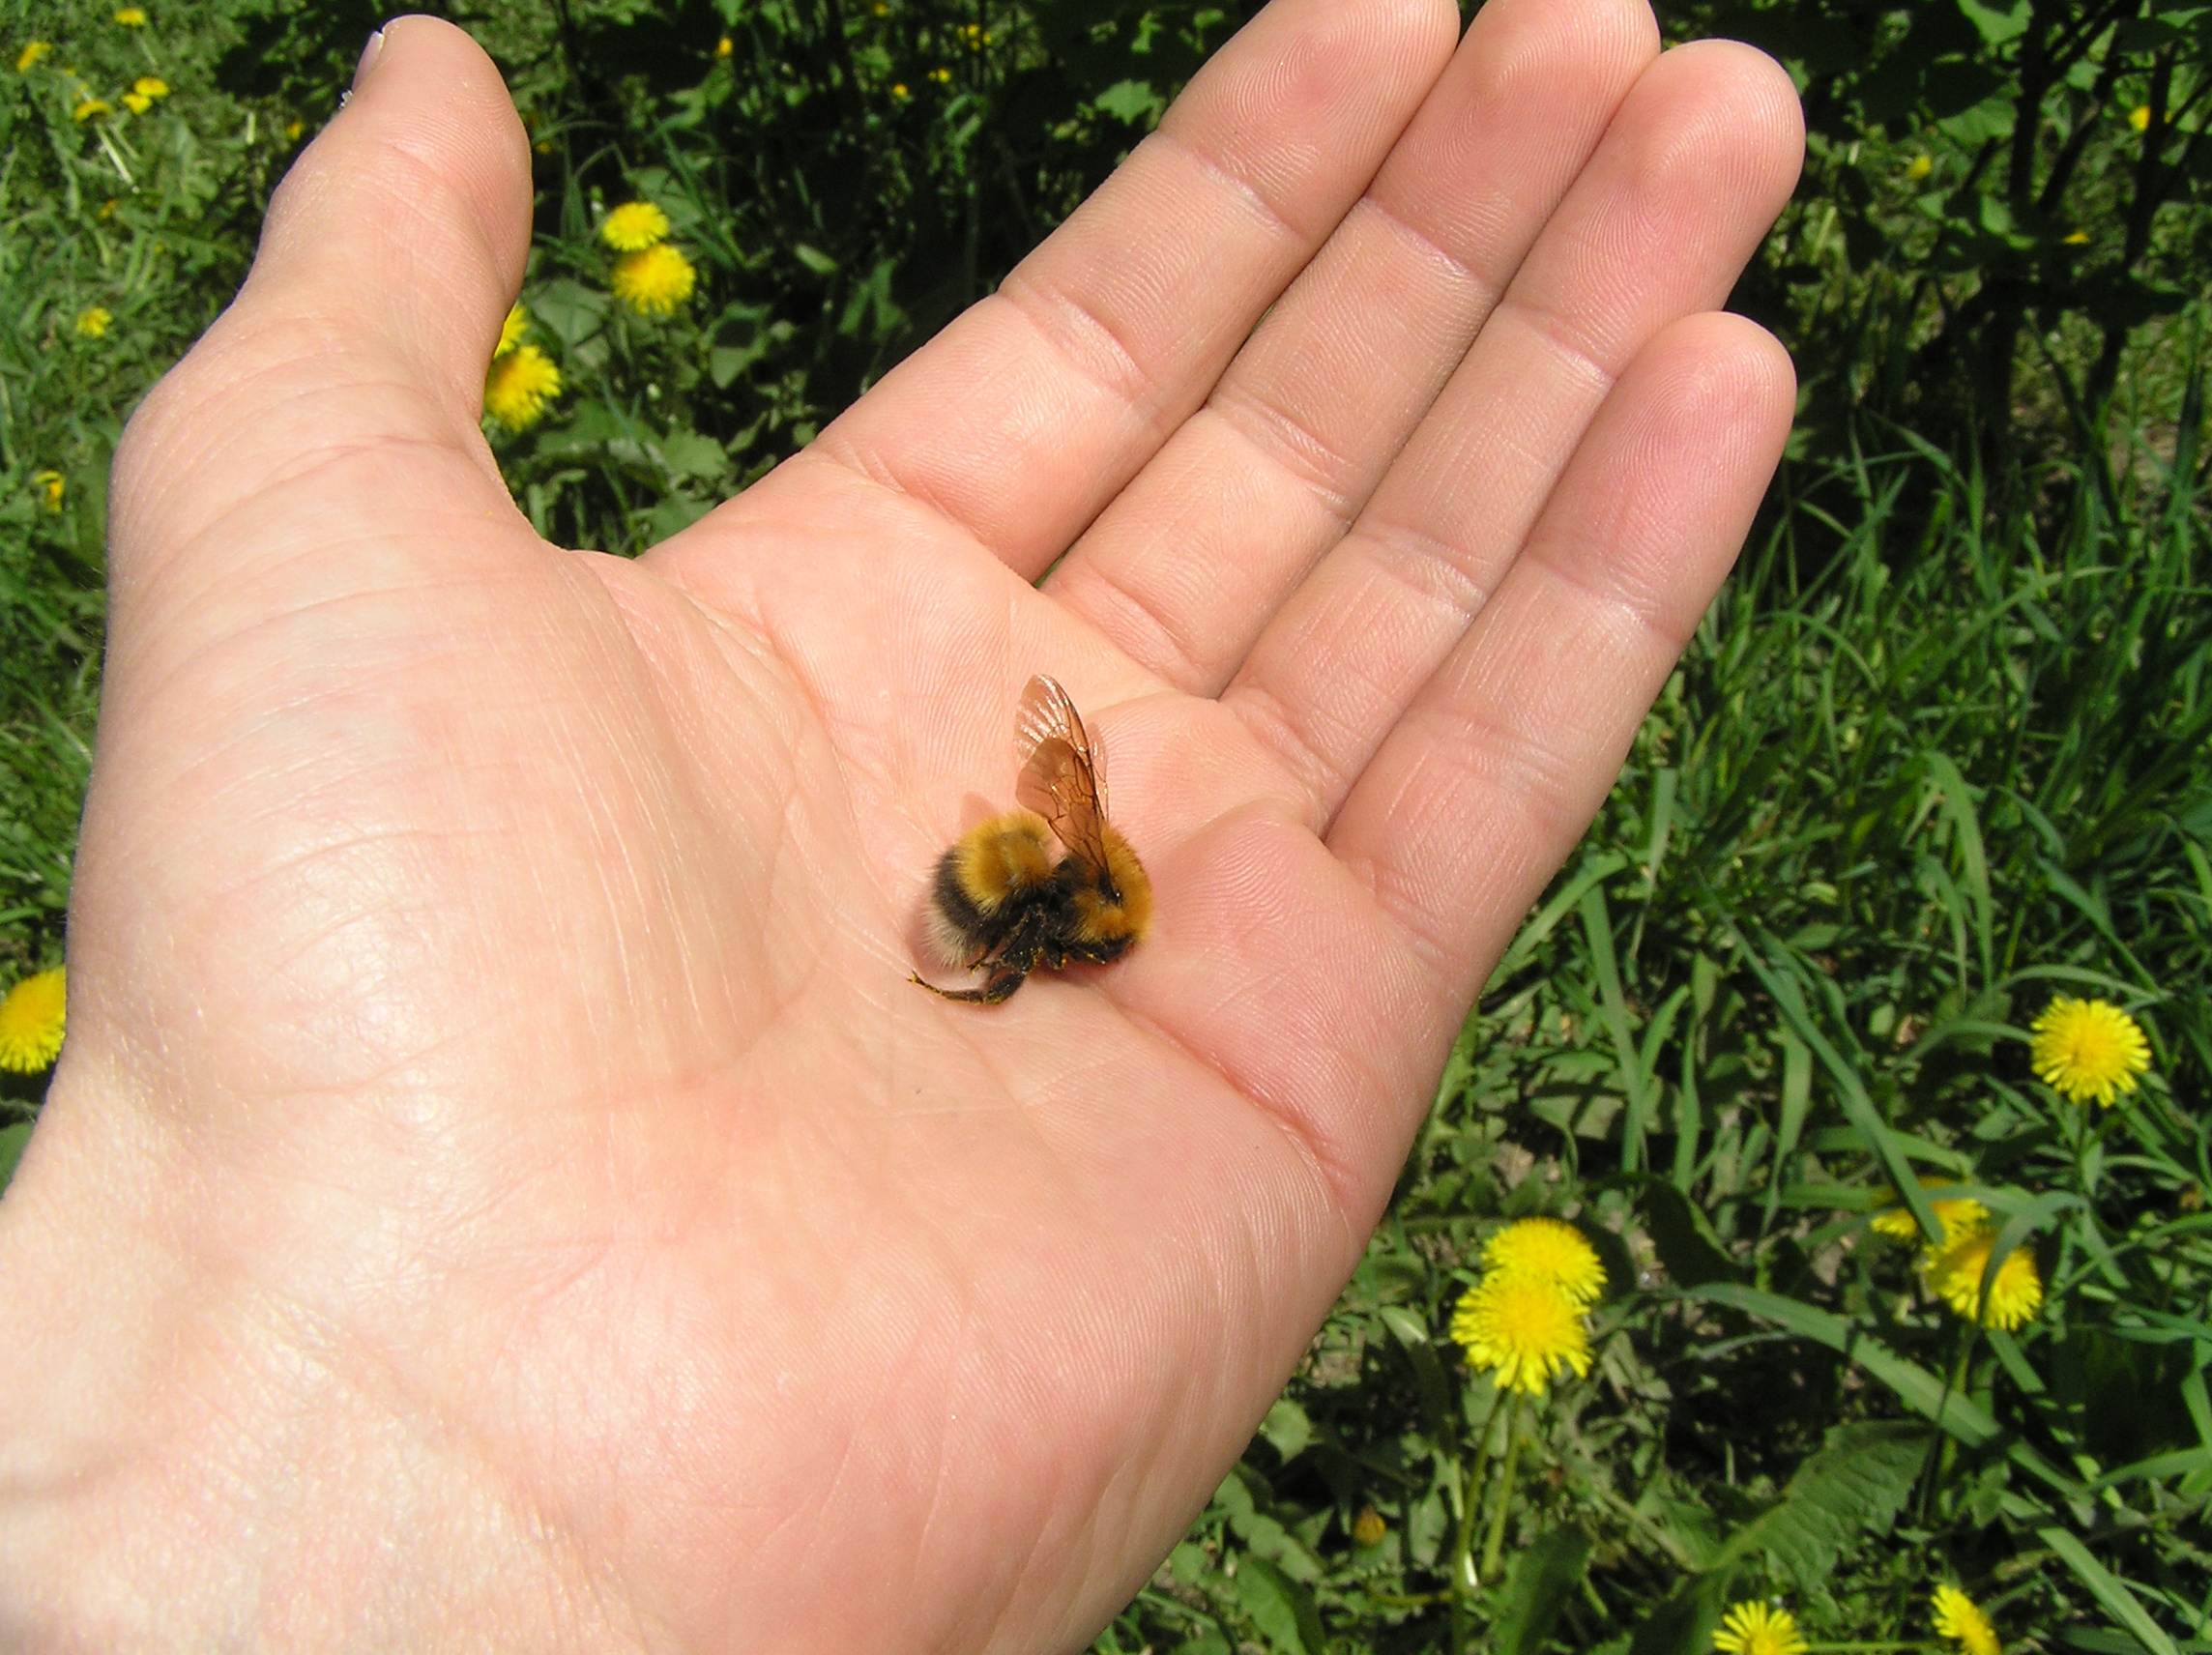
(983,885)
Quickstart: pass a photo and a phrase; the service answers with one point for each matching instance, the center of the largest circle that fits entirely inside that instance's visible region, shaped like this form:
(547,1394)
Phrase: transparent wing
(1060,778)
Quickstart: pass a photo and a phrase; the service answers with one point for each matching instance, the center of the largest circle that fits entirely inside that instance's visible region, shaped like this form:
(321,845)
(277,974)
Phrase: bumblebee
(1002,904)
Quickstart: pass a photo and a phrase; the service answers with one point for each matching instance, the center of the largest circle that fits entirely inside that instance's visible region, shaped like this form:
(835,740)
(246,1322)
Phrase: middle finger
(1692,173)
(1191,559)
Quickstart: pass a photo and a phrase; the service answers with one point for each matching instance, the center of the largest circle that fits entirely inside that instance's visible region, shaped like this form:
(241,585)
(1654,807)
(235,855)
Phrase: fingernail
(368,55)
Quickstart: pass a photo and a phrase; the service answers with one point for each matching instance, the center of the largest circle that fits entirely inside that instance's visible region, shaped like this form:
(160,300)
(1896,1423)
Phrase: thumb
(355,353)
(327,621)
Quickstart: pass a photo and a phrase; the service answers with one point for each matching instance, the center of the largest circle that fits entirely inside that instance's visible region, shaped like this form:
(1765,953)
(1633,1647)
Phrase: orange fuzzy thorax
(1105,921)
(1003,858)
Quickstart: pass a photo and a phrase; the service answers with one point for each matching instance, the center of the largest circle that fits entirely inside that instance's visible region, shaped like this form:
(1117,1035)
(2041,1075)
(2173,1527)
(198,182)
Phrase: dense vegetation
(1935,759)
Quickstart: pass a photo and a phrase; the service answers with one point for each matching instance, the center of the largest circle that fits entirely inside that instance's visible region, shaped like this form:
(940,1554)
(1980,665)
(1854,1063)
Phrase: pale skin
(501,1189)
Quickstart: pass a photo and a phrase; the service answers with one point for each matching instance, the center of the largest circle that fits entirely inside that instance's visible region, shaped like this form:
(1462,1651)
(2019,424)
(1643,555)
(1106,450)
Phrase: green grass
(1935,755)
(148,219)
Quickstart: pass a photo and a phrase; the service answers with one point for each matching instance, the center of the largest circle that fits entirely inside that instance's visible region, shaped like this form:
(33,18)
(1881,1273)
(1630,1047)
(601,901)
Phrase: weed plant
(1935,759)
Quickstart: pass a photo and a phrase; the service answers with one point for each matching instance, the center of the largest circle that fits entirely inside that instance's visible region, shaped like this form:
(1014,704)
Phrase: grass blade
(1851,1091)
(2109,1589)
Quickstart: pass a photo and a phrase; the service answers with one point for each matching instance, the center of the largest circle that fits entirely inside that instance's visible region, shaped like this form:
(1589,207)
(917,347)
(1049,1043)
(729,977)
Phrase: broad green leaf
(1686,1528)
(1287,1428)
(1683,1240)
(1683,1624)
(11,1142)
(675,513)
(1914,1385)
(1979,123)
(571,311)
(1997,26)
(1536,1586)
(1427,1528)
(1429,1382)
(1279,1607)
(1188,1563)
(1205,1643)
(1612,1254)
(1855,1485)
(694,454)
(1132,102)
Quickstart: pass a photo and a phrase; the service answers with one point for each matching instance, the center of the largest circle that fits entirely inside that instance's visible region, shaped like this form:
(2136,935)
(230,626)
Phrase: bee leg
(1000,986)
(1016,958)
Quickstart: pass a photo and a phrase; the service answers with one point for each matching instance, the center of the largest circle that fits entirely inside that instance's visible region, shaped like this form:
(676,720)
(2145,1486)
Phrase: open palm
(501,1190)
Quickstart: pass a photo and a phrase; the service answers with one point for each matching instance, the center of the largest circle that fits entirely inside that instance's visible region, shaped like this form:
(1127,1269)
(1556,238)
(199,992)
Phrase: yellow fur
(1004,858)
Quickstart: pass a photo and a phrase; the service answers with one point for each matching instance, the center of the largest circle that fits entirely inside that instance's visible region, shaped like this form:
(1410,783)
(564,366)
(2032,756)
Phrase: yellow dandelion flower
(1919,167)
(1961,1619)
(93,323)
(90,108)
(131,17)
(31,1021)
(2087,1048)
(511,331)
(2077,239)
(654,281)
(725,47)
(1548,1252)
(899,91)
(150,86)
(2140,117)
(50,486)
(32,52)
(293,129)
(1953,1272)
(1953,1216)
(137,102)
(1529,1333)
(633,225)
(520,386)
(1755,1629)
(941,76)
(1368,1528)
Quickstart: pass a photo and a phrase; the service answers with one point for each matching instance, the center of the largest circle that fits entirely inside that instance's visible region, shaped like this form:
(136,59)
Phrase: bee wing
(1060,777)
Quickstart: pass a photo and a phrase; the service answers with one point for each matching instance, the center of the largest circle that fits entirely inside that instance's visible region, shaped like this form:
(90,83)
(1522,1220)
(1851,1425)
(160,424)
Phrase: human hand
(501,1189)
